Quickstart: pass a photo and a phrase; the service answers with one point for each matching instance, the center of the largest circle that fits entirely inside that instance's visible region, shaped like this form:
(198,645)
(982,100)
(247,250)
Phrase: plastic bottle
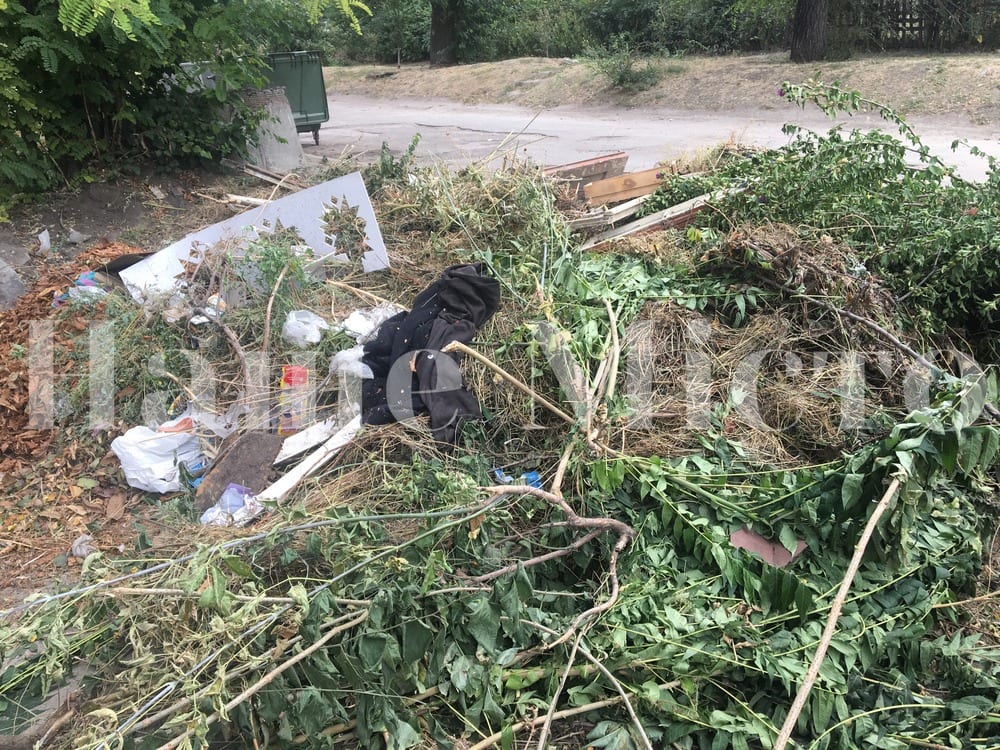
(292,398)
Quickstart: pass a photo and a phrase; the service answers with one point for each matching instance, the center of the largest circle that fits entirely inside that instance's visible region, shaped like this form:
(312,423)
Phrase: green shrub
(619,63)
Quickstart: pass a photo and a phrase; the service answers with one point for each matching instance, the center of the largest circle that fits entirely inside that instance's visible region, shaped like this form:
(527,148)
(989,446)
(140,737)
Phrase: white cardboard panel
(157,275)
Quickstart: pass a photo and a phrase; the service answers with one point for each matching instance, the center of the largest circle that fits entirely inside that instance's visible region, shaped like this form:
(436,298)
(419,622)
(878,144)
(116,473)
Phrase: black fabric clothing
(410,374)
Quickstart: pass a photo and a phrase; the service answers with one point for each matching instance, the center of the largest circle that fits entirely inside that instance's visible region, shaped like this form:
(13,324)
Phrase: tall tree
(444,31)
(809,30)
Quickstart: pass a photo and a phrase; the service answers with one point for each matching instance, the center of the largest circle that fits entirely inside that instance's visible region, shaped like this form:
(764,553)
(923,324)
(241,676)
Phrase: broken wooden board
(578,173)
(243,459)
(312,463)
(675,216)
(623,187)
(606,217)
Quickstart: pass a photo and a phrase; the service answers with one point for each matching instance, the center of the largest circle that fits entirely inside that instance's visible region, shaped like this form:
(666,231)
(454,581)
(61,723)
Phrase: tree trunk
(809,27)
(444,15)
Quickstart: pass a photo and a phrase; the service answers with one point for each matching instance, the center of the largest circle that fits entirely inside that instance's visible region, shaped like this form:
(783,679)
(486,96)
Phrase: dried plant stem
(615,682)
(271,676)
(884,333)
(362,293)
(237,347)
(831,621)
(543,735)
(574,520)
(134,591)
(266,339)
(458,346)
(557,480)
(616,352)
(564,714)
(538,560)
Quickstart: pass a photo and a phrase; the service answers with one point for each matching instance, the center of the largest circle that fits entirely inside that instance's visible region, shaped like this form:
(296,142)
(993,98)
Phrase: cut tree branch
(831,621)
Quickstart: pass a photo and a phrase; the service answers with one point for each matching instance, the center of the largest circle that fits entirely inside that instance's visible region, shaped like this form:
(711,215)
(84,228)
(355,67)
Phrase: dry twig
(625,534)
(458,346)
(831,621)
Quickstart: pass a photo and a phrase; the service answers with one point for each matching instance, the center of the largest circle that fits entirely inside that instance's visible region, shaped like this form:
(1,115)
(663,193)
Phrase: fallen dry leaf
(115,506)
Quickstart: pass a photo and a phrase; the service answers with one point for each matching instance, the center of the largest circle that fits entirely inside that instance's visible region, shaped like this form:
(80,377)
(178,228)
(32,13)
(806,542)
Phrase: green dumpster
(301,73)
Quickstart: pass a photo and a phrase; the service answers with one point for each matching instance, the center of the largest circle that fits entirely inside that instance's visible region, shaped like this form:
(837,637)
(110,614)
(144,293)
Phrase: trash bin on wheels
(301,73)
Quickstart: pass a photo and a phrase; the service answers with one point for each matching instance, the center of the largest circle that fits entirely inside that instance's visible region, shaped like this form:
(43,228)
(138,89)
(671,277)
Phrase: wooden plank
(606,217)
(675,216)
(597,166)
(623,187)
(578,173)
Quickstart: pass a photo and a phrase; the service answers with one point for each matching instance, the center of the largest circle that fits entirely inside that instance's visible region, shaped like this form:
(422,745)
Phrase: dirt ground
(962,85)
(149,211)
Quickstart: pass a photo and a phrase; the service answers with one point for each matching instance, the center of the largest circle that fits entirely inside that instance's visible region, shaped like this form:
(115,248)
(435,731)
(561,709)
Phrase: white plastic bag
(362,325)
(349,362)
(151,460)
(303,328)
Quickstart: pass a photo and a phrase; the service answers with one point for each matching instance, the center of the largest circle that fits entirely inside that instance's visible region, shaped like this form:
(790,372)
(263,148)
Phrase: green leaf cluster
(930,234)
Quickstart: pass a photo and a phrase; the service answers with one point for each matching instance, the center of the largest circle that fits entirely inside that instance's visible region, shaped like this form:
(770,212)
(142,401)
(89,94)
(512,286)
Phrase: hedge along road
(460,134)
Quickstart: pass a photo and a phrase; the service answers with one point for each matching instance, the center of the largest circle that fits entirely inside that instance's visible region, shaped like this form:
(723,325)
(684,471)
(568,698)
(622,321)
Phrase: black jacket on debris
(450,309)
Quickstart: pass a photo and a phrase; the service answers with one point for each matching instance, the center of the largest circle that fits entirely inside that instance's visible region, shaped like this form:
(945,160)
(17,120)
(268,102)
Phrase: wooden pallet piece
(606,217)
(578,173)
(675,216)
(623,187)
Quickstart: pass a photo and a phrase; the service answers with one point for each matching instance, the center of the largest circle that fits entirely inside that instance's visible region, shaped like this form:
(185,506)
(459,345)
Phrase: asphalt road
(460,134)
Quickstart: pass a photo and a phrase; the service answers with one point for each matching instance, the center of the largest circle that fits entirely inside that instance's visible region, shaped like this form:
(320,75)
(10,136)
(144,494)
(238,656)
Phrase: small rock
(11,286)
(157,193)
(76,238)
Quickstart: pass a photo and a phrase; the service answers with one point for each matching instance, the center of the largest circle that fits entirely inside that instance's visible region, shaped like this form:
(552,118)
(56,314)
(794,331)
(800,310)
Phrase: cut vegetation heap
(757,371)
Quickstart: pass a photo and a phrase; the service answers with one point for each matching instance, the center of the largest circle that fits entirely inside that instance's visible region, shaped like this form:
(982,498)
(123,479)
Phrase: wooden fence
(934,24)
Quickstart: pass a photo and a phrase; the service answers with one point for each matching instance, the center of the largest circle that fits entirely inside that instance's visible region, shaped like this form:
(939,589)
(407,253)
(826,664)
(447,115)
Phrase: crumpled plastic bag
(349,362)
(151,460)
(303,328)
(362,325)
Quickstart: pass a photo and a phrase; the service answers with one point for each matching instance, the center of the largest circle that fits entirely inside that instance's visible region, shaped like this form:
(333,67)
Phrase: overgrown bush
(498,29)
(624,69)
(396,30)
(692,25)
(84,89)
(931,235)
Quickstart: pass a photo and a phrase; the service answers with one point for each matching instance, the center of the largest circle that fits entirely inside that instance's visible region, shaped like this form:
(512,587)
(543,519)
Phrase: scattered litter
(245,459)
(152,459)
(311,463)
(293,398)
(303,328)
(76,238)
(88,285)
(625,186)
(361,325)
(605,217)
(303,440)
(676,216)
(770,552)
(450,309)
(576,174)
(158,275)
(236,507)
(83,546)
(530,478)
(44,242)
(215,307)
(350,362)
